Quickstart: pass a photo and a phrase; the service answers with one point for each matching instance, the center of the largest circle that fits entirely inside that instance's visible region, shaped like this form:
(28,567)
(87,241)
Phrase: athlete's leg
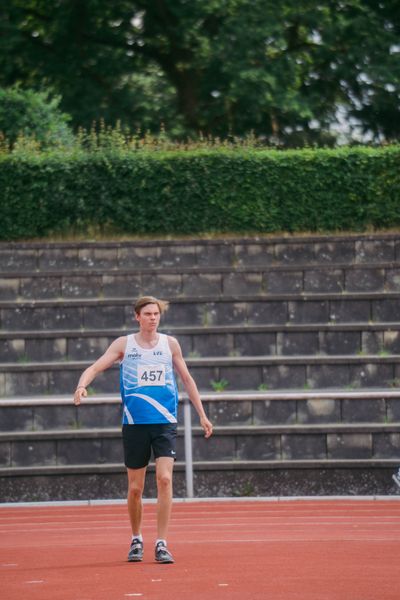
(164,468)
(136,478)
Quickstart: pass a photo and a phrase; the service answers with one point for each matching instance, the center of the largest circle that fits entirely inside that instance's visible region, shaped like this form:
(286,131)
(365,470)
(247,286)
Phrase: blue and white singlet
(148,387)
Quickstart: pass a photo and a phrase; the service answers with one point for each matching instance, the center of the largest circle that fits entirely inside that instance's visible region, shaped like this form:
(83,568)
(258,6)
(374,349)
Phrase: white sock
(138,537)
(161,540)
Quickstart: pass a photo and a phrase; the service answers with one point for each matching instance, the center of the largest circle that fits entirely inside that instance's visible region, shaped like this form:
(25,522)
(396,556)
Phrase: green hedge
(203,191)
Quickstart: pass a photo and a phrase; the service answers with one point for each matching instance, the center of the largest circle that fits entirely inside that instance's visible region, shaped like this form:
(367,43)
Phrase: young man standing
(150,398)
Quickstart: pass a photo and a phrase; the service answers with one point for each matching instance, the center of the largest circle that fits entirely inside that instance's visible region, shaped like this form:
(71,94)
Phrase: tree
(281,69)
(34,115)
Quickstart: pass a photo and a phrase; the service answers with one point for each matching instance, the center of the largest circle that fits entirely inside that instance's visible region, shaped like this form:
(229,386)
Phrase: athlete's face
(149,317)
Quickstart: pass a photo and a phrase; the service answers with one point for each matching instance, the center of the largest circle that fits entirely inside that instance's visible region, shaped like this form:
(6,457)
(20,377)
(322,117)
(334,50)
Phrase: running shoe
(162,554)
(135,553)
(396,478)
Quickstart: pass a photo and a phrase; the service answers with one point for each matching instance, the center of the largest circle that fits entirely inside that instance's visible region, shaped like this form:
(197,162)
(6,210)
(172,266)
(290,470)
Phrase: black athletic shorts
(140,440)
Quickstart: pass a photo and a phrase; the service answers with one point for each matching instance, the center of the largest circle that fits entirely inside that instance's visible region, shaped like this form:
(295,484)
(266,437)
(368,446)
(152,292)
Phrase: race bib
(151,374)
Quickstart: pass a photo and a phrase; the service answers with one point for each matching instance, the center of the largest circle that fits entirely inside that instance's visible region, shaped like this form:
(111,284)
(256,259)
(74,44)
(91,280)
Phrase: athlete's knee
(135,490)
(164,480)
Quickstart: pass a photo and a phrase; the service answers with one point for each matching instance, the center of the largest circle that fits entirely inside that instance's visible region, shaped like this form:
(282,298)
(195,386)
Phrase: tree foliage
(34,116)
(281,69)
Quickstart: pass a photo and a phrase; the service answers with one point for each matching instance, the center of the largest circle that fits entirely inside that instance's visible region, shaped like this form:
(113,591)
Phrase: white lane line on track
(202,527)
(233,521)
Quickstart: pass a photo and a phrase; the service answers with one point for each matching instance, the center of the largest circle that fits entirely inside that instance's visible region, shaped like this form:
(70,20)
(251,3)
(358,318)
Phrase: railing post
(187,420)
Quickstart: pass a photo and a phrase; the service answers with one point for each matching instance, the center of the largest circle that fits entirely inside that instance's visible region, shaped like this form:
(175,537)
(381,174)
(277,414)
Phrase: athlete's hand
(80,393)
(207,426)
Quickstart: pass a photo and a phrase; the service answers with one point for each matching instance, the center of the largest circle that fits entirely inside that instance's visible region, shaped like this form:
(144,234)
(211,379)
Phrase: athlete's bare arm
(113,353)
(189,383)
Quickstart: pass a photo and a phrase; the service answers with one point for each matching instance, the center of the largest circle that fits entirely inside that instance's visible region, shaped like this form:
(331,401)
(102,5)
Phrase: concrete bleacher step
(242,373)
(223,340)
(201,281)
(89,314)
(357,248)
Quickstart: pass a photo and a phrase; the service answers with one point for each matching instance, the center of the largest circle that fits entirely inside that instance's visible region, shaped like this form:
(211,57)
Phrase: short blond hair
(144,300)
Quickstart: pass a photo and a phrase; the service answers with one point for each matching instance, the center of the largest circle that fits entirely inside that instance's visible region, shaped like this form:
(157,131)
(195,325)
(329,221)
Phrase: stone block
(54,417)
(203,377)
(284,376)
(372,342)
(29,453)
(5,454)
(393,410)
(58,317)
(217,255)
(349,311)
(87,348)
(303,446)
(187,344)
(119,286)
(98,257)
(112,450)
(45,349)
(58,258)
(18,260)
(81,286)
(26,383)
(367,410)
(392,280)
(241,377)
(318,410)
(327,375)
(242,284)
(365,280)
(386,445)
(179,256)
(258,447)
(79,451)
(138,256)
(236,412)
(324,281)
(391,341)
(62,380)
(224,313)
(274,412)
(255,344)
(185,313)
(385,309)
(334,252)
(9,288)
(310,311)
(295,254)
(12,350)
(283,282)
(91,416)
(370,251)
(99,317)
(218,447)
(267,312)
(371,374)
(16,418)
(160,285)
(349,445)
(253,255)
(200,284)
(40,287)
(340,342)
(292,343)
(213,344)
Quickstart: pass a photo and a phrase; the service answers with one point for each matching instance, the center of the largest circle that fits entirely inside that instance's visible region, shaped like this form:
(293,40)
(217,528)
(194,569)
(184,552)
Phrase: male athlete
(150,398)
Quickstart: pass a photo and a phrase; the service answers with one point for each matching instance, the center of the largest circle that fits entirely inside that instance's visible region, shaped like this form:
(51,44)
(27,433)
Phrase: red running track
(252,550)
